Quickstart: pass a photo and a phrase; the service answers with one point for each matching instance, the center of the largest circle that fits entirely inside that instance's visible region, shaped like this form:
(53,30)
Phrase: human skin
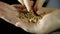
(29,4)
(47,24)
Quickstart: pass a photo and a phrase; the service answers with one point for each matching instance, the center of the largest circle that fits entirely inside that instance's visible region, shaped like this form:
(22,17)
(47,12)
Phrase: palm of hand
(47,24)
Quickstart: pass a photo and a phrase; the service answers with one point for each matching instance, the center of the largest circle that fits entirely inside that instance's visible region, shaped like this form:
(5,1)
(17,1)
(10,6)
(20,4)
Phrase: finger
(38,5)
(28,4)
(21,1)
(20,8)
(8,13)
(45,10)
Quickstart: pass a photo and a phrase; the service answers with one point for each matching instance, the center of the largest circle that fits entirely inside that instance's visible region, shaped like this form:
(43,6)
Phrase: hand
(47,24)
(29,3)
(8,13)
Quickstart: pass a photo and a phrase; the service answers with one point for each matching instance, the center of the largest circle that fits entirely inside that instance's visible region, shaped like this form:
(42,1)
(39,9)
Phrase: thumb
(28,4)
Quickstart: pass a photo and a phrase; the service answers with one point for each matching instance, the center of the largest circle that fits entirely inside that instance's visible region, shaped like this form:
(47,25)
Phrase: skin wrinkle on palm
(33,29)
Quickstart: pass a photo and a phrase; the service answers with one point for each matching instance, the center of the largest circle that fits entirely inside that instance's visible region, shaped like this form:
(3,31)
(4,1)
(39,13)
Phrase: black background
(11,1)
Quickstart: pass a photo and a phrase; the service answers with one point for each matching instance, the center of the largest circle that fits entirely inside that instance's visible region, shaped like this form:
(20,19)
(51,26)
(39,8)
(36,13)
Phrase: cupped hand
(47,24)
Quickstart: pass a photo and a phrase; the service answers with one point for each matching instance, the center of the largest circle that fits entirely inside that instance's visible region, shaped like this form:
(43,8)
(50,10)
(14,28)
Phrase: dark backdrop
(10,1)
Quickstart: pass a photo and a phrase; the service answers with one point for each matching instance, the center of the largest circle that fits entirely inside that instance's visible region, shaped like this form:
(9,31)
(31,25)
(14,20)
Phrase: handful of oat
(29,15)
